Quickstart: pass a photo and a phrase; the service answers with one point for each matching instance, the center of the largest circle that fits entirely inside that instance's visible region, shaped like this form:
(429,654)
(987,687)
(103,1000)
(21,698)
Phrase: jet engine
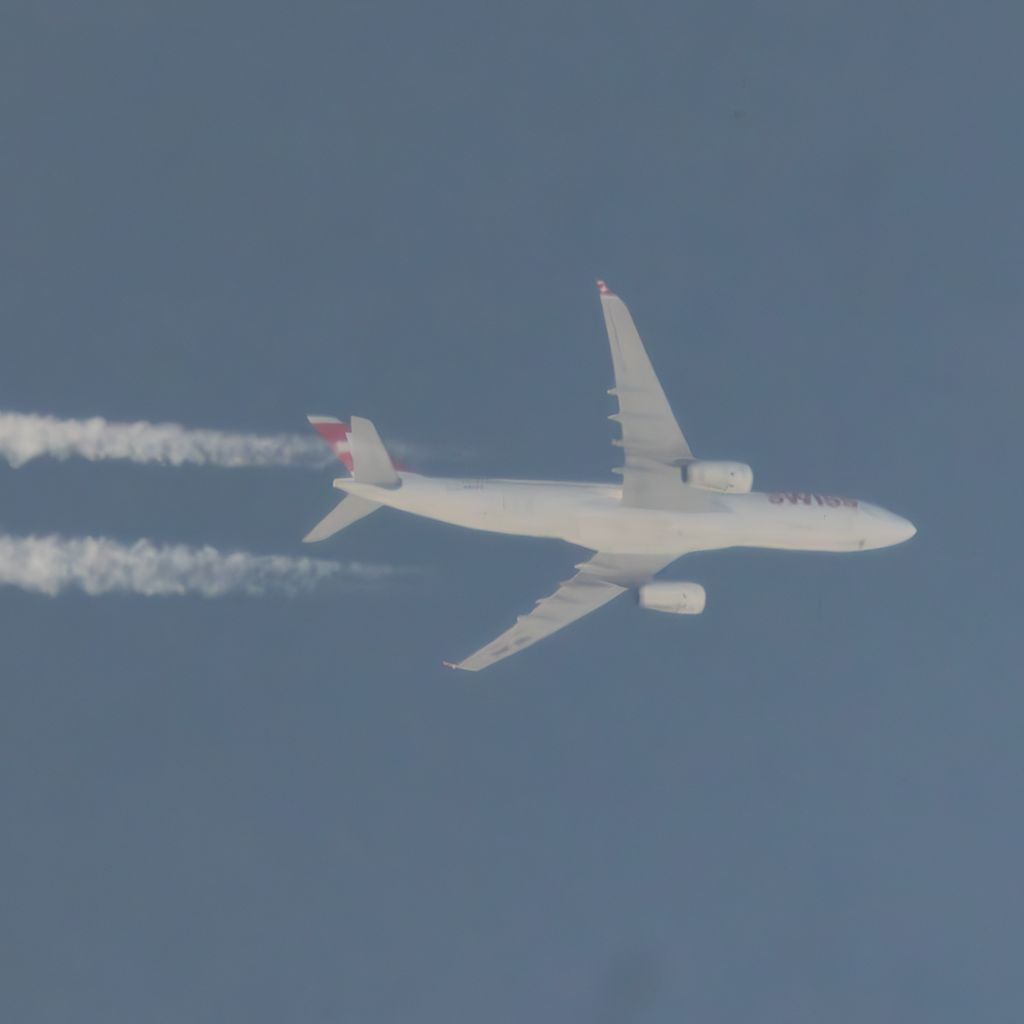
(676,598)
(727,477)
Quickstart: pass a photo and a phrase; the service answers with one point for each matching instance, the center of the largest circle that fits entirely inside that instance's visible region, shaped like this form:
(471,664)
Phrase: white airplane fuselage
(593,516)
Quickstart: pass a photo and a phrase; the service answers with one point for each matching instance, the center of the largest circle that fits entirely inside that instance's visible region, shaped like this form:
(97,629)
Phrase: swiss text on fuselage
(806,498)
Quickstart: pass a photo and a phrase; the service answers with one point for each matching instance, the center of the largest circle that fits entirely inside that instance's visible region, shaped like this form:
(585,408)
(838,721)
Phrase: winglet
(449,664)
(604,289)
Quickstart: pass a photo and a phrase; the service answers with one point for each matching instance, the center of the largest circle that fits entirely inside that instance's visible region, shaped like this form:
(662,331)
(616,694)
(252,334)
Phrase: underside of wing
(598,581)
(652,442)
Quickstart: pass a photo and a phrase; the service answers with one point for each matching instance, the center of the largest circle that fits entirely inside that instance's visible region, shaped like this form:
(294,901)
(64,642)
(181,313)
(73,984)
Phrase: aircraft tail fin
(360,448)
(348,511)
(371,463)
(336,434)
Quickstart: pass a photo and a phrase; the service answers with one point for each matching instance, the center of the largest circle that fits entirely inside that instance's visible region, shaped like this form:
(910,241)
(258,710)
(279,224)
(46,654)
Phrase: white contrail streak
(98,565)
(26,436)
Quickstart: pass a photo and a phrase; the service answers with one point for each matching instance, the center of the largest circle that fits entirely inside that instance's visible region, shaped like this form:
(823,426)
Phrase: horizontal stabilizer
(348,511)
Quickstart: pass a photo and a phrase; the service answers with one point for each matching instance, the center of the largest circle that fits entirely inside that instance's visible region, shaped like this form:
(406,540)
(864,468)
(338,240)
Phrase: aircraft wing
(597,582)
(654,445)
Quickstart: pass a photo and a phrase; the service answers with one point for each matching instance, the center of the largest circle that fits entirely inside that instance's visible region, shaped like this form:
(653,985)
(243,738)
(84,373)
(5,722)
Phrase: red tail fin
(335,433)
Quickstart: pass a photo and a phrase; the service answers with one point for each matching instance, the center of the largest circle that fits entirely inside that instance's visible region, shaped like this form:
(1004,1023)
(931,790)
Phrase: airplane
(669,503)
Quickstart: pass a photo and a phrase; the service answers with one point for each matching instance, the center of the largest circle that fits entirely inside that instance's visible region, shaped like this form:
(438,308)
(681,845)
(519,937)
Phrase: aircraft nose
(887,528)
(894,529)
(903,529)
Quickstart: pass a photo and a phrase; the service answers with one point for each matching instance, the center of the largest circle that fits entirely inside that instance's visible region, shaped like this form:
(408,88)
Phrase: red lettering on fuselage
(804,498)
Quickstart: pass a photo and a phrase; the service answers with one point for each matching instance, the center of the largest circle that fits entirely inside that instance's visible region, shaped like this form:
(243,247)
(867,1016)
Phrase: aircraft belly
(480,505)
(593,518)
(632,531)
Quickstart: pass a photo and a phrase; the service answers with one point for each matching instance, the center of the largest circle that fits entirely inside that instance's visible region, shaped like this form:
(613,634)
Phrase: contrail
(98,565)
(26,436)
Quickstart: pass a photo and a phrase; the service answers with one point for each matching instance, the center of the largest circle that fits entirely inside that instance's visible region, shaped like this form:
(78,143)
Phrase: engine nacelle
(727,477)
(676,598)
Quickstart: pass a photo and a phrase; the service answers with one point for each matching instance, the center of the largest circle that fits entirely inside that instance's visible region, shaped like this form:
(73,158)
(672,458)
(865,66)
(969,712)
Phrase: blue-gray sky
(802,806)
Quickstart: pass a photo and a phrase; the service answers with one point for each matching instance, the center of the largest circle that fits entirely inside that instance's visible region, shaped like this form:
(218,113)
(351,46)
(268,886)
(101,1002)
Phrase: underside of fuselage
(593,516)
